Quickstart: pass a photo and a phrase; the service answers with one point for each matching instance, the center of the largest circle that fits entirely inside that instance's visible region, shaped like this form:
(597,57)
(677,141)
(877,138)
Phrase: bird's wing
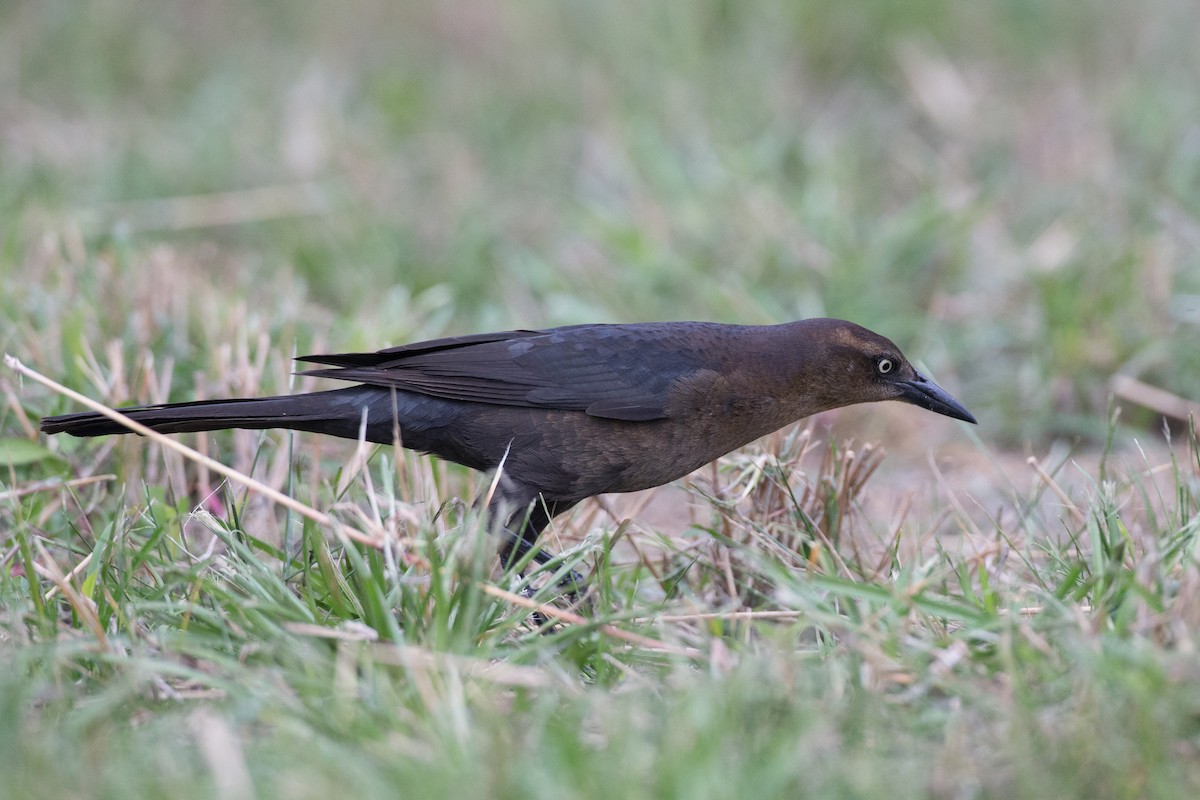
(619,372)
(379,357)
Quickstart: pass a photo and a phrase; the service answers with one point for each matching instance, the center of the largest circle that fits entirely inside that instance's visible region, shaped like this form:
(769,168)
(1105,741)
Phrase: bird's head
(860,366)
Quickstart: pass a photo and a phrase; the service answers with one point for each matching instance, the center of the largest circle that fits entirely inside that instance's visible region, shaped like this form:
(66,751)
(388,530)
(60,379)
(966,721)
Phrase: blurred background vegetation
(192,192)
(1011,190)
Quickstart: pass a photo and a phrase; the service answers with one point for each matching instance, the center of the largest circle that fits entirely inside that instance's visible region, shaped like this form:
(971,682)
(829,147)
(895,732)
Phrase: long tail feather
(313,411)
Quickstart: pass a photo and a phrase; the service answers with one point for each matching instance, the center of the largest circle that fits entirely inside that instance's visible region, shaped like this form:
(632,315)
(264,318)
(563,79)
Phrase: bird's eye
(884,365)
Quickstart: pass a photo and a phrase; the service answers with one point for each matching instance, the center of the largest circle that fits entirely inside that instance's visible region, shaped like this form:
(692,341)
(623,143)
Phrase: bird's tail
(320,411)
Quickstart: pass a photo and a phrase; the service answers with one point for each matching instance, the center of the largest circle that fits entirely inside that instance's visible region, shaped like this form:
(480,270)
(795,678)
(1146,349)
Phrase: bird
(567,413)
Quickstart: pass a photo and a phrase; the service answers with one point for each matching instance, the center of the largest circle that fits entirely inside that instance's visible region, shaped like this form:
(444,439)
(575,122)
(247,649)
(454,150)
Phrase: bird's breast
(613,456)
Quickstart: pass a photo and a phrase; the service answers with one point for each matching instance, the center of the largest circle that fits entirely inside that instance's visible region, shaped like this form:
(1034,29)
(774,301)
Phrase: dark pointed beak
(921,391)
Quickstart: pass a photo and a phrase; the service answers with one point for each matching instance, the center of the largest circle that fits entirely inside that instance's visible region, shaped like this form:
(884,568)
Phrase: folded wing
(621,372)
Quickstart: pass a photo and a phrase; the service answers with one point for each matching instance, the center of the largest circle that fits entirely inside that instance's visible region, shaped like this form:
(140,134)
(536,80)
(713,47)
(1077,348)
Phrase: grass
(190,657)
(876,603)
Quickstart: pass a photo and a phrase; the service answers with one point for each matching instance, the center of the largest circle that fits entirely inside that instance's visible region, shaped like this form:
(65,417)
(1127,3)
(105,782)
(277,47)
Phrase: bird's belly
(631,456)
(568,455)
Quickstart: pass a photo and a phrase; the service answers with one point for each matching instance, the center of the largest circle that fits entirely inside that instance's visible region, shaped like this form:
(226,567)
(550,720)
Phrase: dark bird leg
(519,534)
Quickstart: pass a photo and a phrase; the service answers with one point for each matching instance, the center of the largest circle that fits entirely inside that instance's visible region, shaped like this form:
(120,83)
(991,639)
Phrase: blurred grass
(1011,186)
(190,193)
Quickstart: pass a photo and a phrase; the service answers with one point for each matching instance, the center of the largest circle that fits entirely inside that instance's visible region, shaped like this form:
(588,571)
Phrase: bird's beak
(921,391)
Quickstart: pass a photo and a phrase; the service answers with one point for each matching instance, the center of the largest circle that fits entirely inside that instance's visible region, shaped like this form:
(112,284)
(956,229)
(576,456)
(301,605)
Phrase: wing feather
(622,372)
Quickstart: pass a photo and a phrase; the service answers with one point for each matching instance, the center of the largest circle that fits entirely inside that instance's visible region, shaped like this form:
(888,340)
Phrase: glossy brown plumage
(576,411)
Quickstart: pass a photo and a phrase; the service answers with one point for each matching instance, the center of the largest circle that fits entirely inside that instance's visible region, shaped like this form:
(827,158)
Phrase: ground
(191,194)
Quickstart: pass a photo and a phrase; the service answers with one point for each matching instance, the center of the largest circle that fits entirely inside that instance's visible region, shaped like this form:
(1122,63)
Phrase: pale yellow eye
(884,365)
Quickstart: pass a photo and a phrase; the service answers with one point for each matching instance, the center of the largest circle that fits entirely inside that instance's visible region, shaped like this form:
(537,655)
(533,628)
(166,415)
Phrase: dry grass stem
(187,452)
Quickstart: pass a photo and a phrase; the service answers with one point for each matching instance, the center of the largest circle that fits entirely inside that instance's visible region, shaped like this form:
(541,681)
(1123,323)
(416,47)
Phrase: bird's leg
(520,545)
(520,532)
(519,513)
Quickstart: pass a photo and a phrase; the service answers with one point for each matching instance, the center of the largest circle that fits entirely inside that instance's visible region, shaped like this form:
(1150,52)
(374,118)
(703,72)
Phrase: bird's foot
(571,584)
(572,589)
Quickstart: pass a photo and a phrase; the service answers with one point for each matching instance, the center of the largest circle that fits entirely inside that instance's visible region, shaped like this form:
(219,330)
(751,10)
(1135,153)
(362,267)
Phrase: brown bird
(578,411)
